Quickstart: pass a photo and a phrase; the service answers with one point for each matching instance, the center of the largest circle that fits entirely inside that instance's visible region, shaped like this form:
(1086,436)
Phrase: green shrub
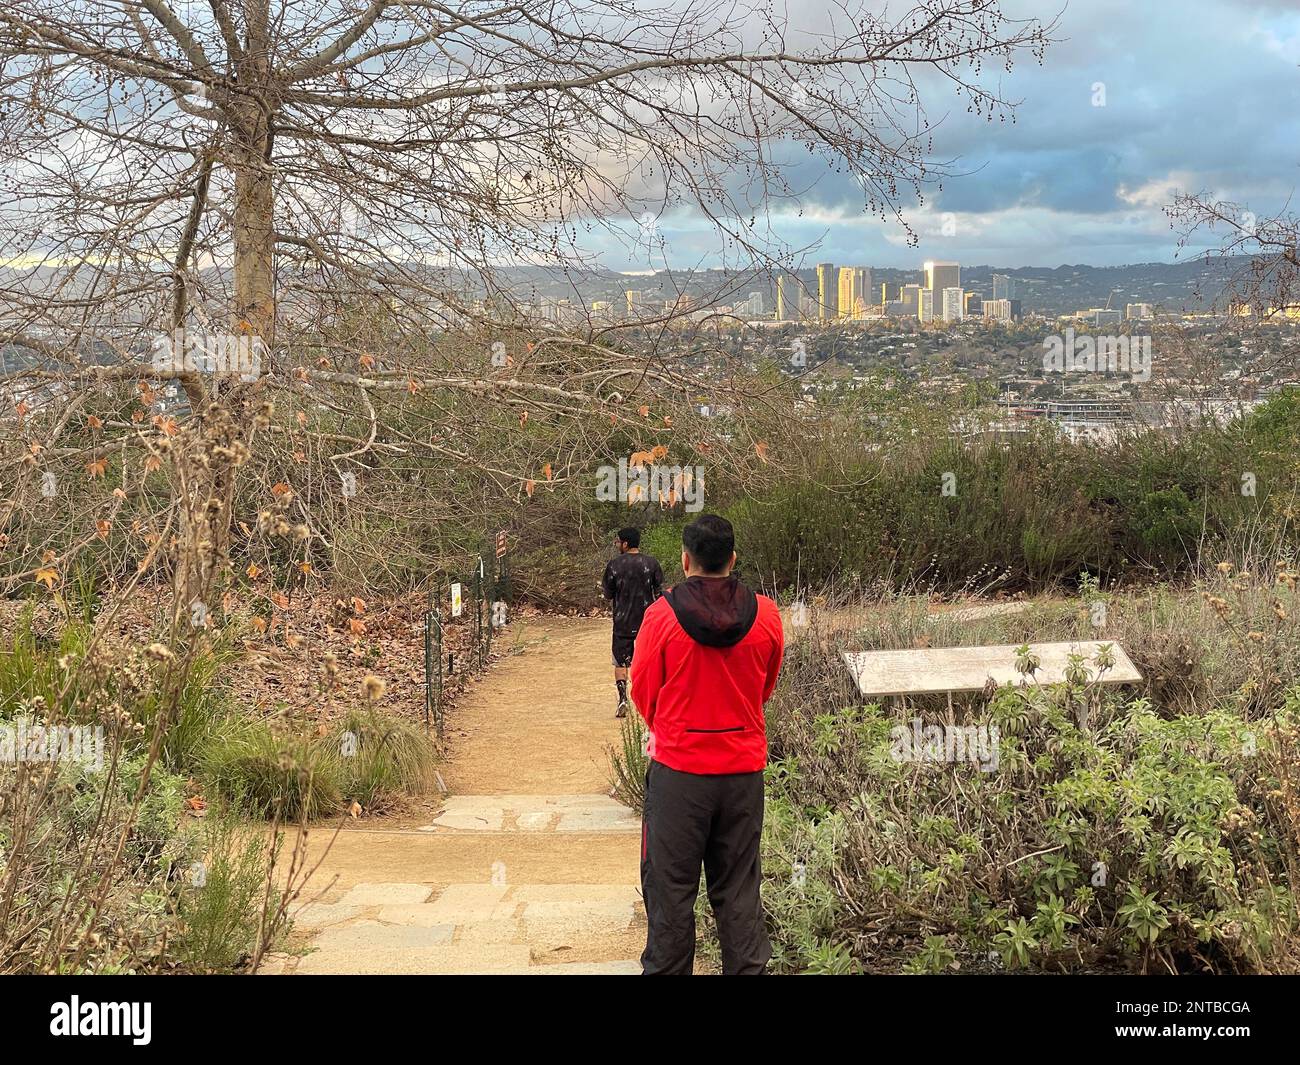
(270,774)
(1115,832)
(629,762)
(382,758)
(85,882)
(109,794)
(663,541)
(1167,526)
(223,902)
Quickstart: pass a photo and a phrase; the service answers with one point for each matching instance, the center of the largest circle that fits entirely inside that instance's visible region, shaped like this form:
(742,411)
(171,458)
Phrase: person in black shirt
(633,581)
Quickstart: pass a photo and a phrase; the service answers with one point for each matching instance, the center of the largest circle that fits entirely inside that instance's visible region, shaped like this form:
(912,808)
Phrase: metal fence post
(438,713)
(478,613)
(428,666)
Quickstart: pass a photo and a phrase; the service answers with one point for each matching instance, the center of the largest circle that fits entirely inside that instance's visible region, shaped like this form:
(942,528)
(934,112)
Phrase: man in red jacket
(707,658)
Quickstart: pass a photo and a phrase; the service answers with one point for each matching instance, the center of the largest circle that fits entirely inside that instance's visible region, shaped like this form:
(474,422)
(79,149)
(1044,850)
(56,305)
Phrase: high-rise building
(911,297)
(974,305)
(636,303)
(1137,310)
(789,295)
(1003,287)
(925,309)
(828,292)
(954,304)
(854,286)
(755,304)
(939,276)
(997,310)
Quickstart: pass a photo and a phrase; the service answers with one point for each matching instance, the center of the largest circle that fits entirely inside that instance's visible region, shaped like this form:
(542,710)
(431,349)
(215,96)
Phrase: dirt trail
(529,867)
(539,720)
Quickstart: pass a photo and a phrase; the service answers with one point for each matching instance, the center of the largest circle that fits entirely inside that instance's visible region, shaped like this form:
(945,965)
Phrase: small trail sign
(456,601)
(501,544)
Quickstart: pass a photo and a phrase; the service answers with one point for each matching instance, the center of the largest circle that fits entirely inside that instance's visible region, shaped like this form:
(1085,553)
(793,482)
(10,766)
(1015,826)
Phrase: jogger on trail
(706,661)
(633,581)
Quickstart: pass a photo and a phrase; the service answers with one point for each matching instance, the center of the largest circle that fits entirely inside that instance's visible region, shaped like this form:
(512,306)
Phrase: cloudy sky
(1200,96)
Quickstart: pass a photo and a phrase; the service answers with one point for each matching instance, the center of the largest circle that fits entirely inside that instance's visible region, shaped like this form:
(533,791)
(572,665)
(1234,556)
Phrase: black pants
(716,821)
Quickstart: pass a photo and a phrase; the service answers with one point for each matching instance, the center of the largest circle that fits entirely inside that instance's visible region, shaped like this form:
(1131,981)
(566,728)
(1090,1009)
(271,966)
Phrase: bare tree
(1266,285)
(341,182)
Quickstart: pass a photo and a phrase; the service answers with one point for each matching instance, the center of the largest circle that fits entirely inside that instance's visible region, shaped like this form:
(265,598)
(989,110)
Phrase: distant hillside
(1191,286)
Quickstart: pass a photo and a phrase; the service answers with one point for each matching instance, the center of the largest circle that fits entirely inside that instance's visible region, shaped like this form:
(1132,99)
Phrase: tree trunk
(206,518)
(254,307)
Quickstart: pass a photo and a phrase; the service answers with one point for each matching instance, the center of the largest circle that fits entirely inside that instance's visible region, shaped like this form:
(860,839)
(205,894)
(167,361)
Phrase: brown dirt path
(529,867)
(539,720)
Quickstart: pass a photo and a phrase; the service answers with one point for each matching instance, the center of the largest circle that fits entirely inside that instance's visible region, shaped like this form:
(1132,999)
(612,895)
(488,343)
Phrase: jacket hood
(714,611)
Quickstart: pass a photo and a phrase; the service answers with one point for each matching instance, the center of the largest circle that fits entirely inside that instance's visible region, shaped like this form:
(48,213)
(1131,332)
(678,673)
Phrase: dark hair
(630,536)
(710,540)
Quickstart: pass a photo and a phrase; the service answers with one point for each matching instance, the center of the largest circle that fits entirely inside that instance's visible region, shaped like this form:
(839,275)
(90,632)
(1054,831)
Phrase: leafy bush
(663,541)
(1113,833)
(72,836)
(152,844)
(1166,525)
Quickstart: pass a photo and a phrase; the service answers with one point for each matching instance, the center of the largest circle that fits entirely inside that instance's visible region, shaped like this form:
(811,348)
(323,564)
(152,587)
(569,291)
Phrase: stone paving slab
(610,915)
(528,915)
(534,813)
(497,930)
(314,915)
(368,948)
(386,894)
(583,968)
(581,893)
(462,904)
(419,915)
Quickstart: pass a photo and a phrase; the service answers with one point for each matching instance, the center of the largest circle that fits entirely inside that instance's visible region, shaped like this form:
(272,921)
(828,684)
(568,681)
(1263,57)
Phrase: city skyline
(838,293)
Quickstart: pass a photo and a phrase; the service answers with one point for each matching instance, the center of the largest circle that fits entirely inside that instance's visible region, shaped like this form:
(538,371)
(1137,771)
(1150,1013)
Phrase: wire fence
(482,599)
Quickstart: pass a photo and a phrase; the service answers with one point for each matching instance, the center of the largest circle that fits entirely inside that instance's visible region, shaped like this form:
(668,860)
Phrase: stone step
(368,948)
(610,906)
(535,813)
(582,968)
(482,913)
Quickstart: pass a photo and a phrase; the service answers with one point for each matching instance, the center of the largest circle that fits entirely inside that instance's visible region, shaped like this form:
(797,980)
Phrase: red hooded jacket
(706,660)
